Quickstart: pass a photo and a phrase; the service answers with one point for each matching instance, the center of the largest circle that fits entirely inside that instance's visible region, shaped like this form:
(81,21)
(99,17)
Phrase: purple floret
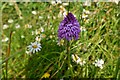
(69,28)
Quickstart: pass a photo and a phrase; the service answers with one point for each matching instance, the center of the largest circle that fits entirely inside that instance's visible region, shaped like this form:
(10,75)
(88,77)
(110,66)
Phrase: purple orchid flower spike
(69,28)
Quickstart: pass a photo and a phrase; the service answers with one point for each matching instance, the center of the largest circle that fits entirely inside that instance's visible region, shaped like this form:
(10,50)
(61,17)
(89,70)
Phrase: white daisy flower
(34,47)
(99,63)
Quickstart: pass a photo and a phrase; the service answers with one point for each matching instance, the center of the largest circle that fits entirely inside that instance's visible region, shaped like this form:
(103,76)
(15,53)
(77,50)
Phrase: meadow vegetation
(96,54)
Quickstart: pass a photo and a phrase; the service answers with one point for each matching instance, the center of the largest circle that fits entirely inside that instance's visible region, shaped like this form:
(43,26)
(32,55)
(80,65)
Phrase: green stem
(117,68)
(68,53)
(69,7)
(68,57)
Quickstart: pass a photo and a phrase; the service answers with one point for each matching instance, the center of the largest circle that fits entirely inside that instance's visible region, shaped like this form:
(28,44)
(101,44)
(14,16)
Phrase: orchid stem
(68,57)
(68,52)
(69,7)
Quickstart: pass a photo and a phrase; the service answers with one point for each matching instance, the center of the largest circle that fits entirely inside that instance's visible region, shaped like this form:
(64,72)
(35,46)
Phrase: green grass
(100,40)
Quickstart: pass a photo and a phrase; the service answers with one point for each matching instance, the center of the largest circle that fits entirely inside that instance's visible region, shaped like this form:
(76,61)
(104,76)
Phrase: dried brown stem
(8,52)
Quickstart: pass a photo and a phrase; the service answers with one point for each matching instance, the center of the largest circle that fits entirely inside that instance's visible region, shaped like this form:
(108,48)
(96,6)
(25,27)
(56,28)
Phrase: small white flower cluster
(87,3)
(34,12)
(78,60)
(22,36)
(37,38)
(10,21)
(99,63)
(40,17)
(17,26)
(28,26)
(63,12)
(34,47)
(85,13)
(60,42)
(38,31)
(55,2)
(5,26)
(83,28)
(5,39)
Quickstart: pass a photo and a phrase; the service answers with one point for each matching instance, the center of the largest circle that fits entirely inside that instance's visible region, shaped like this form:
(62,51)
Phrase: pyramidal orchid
(69,28)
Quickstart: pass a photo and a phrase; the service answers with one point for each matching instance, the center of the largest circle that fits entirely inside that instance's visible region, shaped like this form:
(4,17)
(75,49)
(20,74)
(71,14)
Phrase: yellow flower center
(34,46)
